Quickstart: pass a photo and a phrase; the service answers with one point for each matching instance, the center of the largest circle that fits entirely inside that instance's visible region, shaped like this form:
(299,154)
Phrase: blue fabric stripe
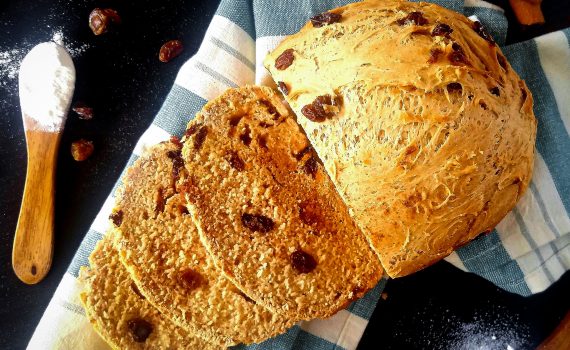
(532,243)
(488,258)
(543,210)
(227,48)
(240,12)
(552,140)
(178,109)
(81,257)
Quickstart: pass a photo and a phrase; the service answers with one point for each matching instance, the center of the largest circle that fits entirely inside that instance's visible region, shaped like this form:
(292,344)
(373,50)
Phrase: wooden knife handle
(33,241)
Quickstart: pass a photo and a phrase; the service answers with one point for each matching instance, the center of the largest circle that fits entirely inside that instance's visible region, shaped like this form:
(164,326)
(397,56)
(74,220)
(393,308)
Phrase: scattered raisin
(270,107)
(483,105)
(265,125)
(303,262)
(495,91)
(283,87)
(248,299)
(235,161)
(480,29)
(117,218)
(234,120)
(434,55)
(140,329)
(316,112)
(192,129)
(325,18)
(257,223)
(169,50)
(285,59)
(311,166)
(502,61)
(84,112)
(441,29)
(453,87)
(82,149)
(200,137)
(136,290)
(246,136)
(309,212)
(302,152)
(262,141)
(101,19)
(457,56)
(176,141)
(191,279)
(177,163)
(415,17)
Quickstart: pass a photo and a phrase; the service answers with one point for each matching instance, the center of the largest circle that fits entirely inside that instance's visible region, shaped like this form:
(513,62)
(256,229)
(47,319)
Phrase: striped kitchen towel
(529,249)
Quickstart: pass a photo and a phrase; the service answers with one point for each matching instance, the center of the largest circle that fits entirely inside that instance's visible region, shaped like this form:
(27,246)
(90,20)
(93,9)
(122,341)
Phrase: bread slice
(120,314)
(159,244)
(267,213)
(423,126)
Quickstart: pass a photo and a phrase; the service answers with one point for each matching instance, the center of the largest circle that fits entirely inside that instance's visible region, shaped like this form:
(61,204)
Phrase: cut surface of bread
(267,213)
(159,244)
(426,130)
(120,314)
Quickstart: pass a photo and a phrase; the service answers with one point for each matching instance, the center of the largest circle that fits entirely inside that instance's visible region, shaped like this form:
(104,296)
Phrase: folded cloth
(528,250)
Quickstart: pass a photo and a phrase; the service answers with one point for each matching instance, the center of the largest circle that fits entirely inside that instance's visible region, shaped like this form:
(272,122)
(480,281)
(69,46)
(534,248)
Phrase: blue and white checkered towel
(527,252)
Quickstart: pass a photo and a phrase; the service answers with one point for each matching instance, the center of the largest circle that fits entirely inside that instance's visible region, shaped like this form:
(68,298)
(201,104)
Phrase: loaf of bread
(159,244)
(267,212)
(120,313)
(422,124)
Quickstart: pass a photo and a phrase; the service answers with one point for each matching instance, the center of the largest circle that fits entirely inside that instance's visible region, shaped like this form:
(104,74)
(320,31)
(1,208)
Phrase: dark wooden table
(120,76)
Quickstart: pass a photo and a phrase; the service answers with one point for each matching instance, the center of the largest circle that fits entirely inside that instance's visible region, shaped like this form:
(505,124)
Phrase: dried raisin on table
(303,262)
(257,223)
(284,60)
(140,329)
(169,50)
(325,18)
(82,149)
(101,19)
(84,112)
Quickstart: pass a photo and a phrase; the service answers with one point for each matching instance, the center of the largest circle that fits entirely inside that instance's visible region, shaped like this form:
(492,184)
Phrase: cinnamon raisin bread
(120,314)
(267,213)
(426,130)
(159,244)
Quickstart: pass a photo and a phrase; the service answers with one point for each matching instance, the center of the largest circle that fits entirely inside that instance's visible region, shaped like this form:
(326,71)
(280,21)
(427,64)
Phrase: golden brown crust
(159,244)
(429,135)
(272,221)
(115,309)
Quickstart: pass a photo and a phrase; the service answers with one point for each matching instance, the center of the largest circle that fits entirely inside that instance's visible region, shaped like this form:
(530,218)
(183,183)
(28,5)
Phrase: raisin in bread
(159,244)
(424,127)
(267,213)
(120,314)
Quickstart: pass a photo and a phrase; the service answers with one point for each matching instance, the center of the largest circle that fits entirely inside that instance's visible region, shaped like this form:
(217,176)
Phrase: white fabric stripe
(231,34)
(533,219)
(510,234)
(554,56)
(101,222)
(199,82)
(73,330)
(224,63)
(344,329)
(454,259)
(263,46)
(153,135)
(480,3)
(535,278)
(542,179)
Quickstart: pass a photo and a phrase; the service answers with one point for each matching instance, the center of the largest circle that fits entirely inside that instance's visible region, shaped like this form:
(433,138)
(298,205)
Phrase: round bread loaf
(267,212)
(120,314)
(159,244)
(422,124)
